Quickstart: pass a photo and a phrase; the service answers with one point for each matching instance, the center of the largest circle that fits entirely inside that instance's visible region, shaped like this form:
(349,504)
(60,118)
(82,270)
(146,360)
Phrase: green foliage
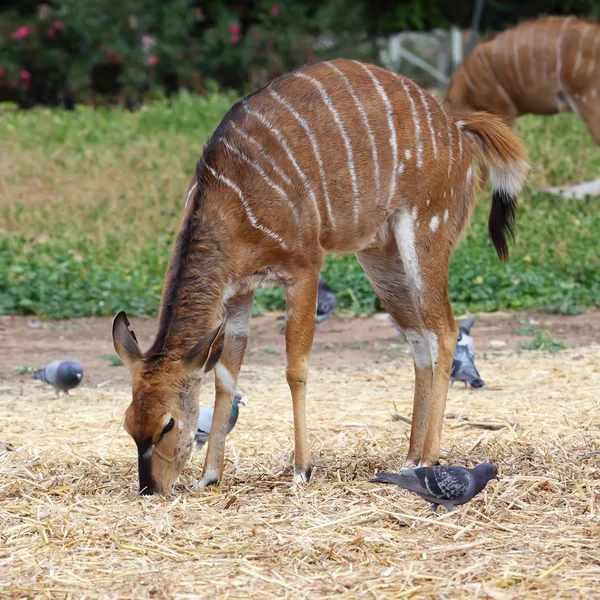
(24,369)
(92,200)
(113,359)
(542,340)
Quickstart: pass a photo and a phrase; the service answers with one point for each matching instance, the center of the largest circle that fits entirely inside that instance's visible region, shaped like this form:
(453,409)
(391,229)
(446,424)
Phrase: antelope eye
(168,426)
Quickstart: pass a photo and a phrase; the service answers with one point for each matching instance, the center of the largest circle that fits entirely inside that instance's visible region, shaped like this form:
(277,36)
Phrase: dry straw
(72,525)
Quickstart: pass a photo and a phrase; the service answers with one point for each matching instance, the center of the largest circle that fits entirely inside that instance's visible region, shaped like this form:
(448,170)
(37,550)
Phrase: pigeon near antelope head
(448,486)
(463,365)
(62,375)
(205,421)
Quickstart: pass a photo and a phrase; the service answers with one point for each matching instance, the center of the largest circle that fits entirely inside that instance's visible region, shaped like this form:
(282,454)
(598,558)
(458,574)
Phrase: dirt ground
(369,341)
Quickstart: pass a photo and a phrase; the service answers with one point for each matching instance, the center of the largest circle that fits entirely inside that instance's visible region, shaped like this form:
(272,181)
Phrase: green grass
(542,340)
(90,201)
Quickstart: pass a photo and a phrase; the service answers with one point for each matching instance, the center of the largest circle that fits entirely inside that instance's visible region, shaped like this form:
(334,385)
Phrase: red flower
(235,38)
(152,61)
(275,10)
(25,75)
(22,32)
(235,29)
(58,24)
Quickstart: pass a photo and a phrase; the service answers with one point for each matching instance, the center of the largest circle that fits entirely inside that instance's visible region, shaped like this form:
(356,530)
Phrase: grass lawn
(90,201)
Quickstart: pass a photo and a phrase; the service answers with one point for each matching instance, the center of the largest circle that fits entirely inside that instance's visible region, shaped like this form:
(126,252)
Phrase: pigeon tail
(40,375)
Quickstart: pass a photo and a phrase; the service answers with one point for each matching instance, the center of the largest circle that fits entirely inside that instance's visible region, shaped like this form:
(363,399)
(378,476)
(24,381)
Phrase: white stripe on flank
(315,147)
(545,54)
(251,216)
(593,63)
(559,50)
(290,155)
(263,152)
(429,122)
(366,123)
(417,122)
(190,193)
(392,128)
(459,135)
(450,144)
(516,56)
(580,50)
(531,63)
(265,177)
(338,119)
(404,232)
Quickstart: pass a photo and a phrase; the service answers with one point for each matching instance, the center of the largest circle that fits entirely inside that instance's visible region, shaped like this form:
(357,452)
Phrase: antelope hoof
(410,463)
(428,463)
(302,475)
(211,477)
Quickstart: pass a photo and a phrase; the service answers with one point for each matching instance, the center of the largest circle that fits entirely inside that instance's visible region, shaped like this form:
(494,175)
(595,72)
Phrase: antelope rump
(543,67)
(336,157)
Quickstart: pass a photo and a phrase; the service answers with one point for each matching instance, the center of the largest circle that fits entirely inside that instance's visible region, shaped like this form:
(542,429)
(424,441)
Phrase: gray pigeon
(463,365)
(449,486)
(326,301)
(62,375)
(205,421)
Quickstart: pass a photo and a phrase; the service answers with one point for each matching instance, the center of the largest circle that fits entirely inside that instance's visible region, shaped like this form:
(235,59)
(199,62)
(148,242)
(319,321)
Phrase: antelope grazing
(546,66)
(337,157)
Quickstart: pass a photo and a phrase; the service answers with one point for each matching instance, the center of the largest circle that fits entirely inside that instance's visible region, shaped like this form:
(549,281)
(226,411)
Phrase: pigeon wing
(407,480)
(447,483)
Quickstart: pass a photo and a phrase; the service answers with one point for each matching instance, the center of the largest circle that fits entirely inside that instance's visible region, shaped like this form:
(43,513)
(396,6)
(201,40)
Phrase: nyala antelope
(336,157)
(543,67)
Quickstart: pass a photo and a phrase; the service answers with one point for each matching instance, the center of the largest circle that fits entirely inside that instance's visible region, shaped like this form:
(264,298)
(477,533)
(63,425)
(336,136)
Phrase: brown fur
(271,199)
(543,67)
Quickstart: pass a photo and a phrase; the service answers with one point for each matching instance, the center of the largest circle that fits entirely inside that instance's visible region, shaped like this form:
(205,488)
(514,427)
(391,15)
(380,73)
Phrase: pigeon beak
(242,402)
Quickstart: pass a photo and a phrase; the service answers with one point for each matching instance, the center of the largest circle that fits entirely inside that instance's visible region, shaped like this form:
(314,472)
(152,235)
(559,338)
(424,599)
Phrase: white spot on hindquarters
(401,169)
(224,378)
(190,193)
(404,232)
(366,123)
(251,217)
(446,215)
(347,144)
(420,349)
(434,223)
(149,452)
(509,177)
(428,201)
(391,126)
(407,154)
(315,147)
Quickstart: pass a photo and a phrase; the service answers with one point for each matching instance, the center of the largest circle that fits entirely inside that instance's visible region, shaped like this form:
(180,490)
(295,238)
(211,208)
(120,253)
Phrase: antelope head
(163,415)
(457,96)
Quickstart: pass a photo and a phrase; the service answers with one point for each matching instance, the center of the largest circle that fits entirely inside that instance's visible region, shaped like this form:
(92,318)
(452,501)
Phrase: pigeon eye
(168,426)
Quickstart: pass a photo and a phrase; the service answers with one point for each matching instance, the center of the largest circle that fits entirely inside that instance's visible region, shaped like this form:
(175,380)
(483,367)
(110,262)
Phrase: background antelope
(336,157)
(546,66)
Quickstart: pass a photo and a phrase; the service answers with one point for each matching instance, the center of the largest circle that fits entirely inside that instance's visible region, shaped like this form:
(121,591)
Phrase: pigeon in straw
(448,486)
(205,421)
(62,375)
(463,365)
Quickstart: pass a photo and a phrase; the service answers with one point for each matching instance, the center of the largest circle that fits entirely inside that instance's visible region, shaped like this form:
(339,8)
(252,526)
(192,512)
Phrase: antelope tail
(494,143)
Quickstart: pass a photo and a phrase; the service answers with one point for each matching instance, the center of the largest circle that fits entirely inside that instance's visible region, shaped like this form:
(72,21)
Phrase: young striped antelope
(543,67)
(337,157)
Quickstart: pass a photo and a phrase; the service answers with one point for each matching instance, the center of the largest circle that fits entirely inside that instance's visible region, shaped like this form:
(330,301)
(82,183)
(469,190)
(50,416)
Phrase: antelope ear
(205,355)
(124,340)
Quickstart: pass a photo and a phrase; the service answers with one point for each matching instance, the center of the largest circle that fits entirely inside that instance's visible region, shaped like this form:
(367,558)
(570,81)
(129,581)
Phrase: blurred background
(123,95)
